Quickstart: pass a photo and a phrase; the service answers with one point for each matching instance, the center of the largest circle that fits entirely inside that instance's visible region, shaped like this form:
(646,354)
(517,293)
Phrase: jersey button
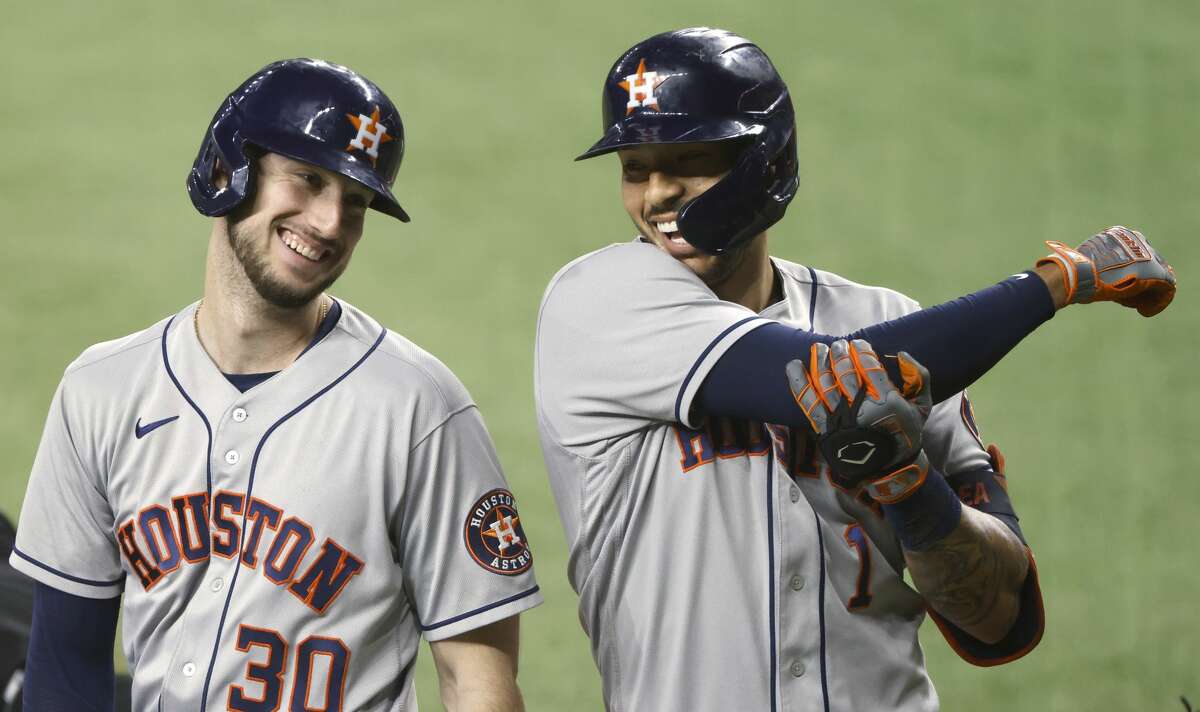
(232,457)
(795,494)
(797,668)
(216,585)
(189,669)
(797,582)
(239,414)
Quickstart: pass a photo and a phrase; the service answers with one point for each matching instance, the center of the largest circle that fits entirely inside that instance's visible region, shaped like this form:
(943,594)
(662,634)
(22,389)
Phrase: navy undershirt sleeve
(70,663)
(957,341)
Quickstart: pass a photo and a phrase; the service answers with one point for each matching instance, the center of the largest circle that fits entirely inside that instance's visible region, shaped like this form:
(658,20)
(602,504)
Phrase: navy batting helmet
(309,110)
(699,85)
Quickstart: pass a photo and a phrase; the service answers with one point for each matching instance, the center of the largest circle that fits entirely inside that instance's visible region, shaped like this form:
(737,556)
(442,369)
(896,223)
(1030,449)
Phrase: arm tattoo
(973,577)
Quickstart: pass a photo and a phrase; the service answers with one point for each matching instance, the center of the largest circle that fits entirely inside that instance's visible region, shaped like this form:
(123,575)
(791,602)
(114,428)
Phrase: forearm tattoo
(973,577)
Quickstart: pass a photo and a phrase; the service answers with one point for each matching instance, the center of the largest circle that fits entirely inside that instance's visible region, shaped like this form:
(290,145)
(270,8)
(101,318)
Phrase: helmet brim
(359,170)
(651,129)
(349,164)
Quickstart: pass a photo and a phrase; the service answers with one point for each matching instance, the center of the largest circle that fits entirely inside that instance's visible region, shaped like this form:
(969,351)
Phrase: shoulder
(98,385)
(113,363)
(617,266)
(613,285)
(131,346)
(403,369)
(883,301)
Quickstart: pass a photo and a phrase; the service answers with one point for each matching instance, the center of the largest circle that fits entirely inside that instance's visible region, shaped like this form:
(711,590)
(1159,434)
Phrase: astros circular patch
(494,536)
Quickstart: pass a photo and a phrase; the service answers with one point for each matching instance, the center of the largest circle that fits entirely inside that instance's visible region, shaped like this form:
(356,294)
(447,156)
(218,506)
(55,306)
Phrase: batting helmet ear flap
(785,169)
(749,199)
(226,149)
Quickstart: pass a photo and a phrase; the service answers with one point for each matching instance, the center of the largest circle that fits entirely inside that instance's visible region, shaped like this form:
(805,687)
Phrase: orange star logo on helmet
(371,134)
(641,88)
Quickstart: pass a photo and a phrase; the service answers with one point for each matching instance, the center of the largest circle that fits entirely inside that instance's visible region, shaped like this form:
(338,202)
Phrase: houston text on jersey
(158,541)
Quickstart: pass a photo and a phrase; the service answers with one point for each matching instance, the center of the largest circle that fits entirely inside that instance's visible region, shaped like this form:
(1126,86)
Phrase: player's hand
(1118,265)
(868,430)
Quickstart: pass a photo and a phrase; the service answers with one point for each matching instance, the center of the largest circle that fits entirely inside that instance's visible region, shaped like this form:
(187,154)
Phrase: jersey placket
(799,583)
(238,423)
(234,437)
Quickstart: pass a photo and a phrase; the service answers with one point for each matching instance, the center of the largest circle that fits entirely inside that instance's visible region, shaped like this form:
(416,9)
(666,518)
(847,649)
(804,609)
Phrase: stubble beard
(258,272)
(723,267)
(714,270)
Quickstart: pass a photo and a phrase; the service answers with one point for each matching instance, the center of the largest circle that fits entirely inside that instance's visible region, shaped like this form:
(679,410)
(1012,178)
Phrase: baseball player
(722,563)
(281,494)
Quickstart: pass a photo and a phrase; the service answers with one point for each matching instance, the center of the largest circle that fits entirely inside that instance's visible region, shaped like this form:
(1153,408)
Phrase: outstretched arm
(477,671)
(957,341)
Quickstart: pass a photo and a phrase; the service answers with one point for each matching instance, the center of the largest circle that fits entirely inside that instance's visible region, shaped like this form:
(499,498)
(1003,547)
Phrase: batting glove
(869,431)
(1117,265)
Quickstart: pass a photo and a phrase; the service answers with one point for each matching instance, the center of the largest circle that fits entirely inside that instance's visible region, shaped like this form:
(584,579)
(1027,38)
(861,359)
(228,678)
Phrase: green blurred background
(940,143)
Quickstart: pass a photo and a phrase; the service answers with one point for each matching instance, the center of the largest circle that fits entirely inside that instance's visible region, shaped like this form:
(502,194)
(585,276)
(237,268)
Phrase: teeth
(293,242)
(667,226)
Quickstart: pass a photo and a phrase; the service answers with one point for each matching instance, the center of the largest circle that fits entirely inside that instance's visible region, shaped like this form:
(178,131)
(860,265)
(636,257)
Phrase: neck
(242,332)
(752,283)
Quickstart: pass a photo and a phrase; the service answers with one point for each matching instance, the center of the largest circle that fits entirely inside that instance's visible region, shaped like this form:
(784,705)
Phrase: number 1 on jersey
(857,538)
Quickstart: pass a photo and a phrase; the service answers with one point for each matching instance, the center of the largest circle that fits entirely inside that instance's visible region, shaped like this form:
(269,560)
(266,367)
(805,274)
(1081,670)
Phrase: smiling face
(657,180)
(296,236)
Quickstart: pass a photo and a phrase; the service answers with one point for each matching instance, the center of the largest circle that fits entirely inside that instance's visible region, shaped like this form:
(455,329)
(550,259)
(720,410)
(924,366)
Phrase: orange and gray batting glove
(868,430)
(1118,265)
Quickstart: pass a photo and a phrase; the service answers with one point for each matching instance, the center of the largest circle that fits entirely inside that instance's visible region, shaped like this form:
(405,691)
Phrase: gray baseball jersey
(282,548)
(717,566)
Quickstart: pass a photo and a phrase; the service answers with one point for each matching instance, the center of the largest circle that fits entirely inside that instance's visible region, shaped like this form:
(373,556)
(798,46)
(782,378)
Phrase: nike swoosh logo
(141,431)
(1020,275)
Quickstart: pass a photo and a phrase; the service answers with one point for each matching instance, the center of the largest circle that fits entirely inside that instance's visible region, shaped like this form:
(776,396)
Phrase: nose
(325,213)
(663,190)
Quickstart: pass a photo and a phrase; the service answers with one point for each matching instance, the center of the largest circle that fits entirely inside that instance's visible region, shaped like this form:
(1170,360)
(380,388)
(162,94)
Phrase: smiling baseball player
(282,495)
(723,564)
